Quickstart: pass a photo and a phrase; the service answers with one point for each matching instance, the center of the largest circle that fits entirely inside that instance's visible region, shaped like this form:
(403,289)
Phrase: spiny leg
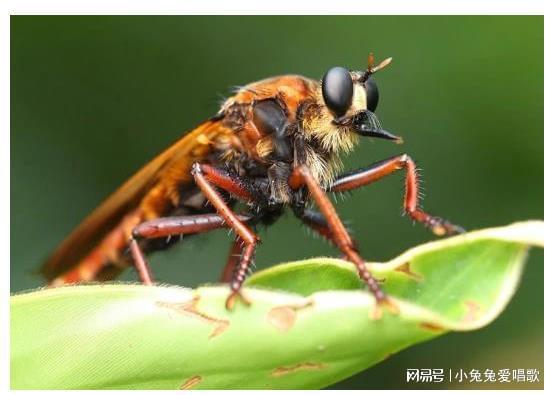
(318,223)
(239,275)
(386,167)
(301,176)
(206,177)
(233,260)
(170,226)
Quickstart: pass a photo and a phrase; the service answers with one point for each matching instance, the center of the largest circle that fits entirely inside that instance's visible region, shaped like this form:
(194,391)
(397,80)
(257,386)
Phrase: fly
(275,144)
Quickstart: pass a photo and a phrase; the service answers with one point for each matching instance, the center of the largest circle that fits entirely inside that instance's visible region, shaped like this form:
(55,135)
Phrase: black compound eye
(372,94)
(337,88)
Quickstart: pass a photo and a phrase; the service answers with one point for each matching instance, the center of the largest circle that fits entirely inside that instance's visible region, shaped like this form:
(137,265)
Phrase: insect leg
(383,168)
(170,226)
(317,222)
(232,184)
(301,176)
(141,265)
(206,177)
(232,261)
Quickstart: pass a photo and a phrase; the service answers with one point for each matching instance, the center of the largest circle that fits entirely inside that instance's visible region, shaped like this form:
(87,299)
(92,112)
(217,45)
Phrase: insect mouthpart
(365,123)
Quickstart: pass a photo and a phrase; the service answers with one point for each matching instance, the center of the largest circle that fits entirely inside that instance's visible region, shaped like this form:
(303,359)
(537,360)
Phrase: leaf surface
(311,322)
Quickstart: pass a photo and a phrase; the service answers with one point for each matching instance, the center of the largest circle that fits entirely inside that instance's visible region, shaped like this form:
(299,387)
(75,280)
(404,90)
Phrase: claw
(384,303)
(441,227)
(456,230)
(231,300)
(391,306)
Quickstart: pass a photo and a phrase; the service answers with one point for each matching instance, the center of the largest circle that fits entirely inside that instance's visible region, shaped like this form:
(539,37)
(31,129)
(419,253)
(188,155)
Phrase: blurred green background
(93,98)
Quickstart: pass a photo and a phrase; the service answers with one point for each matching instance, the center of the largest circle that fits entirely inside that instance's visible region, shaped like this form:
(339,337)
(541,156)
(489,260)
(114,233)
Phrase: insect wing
(128,198)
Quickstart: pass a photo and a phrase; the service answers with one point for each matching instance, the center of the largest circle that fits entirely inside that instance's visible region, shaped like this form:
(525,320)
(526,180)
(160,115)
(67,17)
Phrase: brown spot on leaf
(431,327)
(190,308)
(473,311)
(284,317)
(406,269)
(283,370)
(191,382)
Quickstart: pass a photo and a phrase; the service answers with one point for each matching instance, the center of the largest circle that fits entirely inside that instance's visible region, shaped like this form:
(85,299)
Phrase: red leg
(143,269)
(381,169)
(301,176)
(188,224)
(317,222)
(232,261)
(240,275)
(205,177)
(223,180)
(170,226)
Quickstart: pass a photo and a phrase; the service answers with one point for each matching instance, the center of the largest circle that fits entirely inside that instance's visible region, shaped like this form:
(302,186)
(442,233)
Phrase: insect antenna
(372,68)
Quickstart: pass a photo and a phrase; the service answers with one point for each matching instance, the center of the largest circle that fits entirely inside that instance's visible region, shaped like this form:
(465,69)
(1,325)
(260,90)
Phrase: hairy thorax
(314,140)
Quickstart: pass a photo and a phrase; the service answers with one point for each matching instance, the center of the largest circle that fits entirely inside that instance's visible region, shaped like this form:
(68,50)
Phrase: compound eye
(337,88)
(372,94)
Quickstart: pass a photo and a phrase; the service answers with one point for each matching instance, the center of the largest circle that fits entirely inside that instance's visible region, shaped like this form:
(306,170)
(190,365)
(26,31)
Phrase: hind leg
(171,226)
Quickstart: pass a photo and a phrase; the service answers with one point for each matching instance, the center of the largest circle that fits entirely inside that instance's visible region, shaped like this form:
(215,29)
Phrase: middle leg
(233,260)
(206,177)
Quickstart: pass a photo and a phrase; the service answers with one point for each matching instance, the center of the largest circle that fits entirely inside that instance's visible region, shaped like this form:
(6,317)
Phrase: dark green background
(94,98)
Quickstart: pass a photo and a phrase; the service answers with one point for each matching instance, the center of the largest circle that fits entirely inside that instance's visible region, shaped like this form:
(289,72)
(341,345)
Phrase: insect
(275,144)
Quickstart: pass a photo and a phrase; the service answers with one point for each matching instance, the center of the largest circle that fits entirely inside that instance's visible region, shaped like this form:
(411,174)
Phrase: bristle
(264,147)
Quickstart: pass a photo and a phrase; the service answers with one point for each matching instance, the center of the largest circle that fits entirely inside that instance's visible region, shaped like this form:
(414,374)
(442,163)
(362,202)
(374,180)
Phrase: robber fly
(275,144)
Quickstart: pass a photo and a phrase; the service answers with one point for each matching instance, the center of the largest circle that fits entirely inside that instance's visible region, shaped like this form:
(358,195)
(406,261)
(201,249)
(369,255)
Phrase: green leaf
(311,323)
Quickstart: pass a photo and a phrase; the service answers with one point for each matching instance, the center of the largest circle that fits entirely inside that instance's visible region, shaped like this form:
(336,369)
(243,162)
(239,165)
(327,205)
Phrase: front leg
(378,170)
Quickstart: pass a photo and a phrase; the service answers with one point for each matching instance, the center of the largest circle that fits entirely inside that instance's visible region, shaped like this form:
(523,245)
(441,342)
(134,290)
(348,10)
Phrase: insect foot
(233,296)
(442,227)
(384,303)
